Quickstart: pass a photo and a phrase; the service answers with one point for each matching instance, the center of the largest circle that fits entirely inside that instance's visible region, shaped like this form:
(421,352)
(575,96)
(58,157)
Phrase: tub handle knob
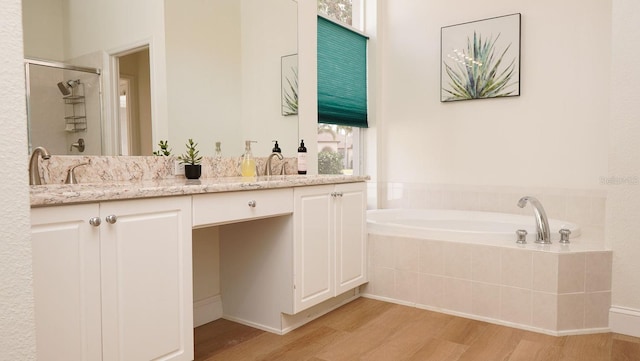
(522,236)
(564,236)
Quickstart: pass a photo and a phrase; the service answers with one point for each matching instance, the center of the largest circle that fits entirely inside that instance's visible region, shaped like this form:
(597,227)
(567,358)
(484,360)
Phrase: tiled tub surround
(557,291)
(136,168)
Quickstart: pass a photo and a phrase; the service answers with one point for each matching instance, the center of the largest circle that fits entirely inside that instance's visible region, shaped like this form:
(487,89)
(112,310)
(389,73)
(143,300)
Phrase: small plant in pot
(164,149)
(191,160)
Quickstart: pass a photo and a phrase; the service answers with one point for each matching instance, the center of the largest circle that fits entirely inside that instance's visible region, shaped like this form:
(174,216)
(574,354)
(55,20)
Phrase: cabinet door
(146,280)
(66,282)
(350,223)
(313,246)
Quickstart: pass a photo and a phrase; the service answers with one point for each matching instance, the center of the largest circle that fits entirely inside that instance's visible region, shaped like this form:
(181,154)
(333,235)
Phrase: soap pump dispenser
(248,165)
(302,158)
(276,147)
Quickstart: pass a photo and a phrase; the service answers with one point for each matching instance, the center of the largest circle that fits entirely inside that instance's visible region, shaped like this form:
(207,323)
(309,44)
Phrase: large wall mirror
(214,71)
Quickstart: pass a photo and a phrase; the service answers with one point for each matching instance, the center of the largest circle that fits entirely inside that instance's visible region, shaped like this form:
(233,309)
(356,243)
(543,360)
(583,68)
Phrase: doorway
(134,102)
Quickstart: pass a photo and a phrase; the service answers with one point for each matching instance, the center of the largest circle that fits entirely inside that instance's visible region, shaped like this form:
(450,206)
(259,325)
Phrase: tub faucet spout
(542,223)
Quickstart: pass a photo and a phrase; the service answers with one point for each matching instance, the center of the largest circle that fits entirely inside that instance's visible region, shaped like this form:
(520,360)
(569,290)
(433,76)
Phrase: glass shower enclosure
(64,107)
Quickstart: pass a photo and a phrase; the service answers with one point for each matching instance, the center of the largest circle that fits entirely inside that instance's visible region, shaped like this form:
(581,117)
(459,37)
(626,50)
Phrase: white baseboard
(253,324)
(207,310)
(291,322)
(624,320)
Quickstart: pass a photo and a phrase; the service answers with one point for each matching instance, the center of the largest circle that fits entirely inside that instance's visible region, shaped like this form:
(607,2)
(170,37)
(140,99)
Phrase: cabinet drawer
(220,208)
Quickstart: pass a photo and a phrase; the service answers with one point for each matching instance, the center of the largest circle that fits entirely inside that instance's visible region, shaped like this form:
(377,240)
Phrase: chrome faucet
(542,223)
(34,171)
(267,166)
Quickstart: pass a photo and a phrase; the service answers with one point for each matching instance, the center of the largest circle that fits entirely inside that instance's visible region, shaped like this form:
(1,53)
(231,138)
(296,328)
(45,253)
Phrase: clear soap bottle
(248,164)
(218,152)
(217,158)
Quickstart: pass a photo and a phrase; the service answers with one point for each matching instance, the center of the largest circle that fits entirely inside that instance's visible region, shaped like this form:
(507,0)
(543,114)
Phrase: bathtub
(460,226)
(468,264)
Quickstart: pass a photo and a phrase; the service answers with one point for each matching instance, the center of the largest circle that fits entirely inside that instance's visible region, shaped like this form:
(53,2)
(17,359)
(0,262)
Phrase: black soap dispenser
(276,147)
(302,158)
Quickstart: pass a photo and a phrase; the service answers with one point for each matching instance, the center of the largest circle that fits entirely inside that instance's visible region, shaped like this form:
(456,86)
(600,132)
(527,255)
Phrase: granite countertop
(59,194)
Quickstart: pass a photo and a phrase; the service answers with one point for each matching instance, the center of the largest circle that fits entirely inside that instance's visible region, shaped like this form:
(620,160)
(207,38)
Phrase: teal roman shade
(342,75)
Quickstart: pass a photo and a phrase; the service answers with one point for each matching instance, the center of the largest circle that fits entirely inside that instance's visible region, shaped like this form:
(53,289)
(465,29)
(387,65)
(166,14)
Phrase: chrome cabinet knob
(95,221)
(111,219)
(252,204)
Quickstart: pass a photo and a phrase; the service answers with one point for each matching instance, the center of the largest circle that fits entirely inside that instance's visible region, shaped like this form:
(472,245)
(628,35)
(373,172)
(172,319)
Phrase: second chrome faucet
(543,235)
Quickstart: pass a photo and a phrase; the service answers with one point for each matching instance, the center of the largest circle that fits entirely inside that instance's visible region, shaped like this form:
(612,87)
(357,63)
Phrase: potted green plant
(191,160)
(164,149)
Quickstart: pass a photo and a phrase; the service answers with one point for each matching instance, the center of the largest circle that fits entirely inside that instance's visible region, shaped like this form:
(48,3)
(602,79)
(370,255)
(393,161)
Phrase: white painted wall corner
(625,321)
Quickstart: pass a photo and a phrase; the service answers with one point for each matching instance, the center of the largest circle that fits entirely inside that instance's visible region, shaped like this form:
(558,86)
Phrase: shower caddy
(75,112)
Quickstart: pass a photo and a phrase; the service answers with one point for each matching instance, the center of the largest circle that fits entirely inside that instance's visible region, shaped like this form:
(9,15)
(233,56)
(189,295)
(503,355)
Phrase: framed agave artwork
(289,84)
(480,59)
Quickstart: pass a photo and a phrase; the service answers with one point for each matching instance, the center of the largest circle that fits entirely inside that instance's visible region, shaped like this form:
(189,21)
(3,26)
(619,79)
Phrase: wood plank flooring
(366,329)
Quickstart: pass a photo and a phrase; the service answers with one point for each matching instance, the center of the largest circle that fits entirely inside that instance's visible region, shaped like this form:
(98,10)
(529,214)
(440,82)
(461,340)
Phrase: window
(340,10)
(340,119)
(338,149)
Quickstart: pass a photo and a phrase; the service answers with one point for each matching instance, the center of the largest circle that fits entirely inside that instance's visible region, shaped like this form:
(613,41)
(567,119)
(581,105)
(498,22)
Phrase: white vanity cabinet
(329,242)
(113,279)
(66,282)
(120,290)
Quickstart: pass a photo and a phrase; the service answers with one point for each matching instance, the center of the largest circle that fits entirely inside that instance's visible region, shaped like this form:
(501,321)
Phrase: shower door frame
(63,66)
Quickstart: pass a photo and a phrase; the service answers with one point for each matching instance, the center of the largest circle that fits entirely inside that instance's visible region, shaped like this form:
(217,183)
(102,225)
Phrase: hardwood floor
(366,329)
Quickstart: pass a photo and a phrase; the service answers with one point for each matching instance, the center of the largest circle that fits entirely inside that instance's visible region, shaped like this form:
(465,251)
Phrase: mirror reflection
(134,103)
(63,107)
(214,70)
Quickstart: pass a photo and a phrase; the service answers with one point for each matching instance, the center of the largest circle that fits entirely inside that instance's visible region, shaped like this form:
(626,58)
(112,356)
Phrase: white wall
(308,79)
(204,75)
(554,134)
(17,327)
(623,203)
(207,299)
(269,31)
(223,74)
(43,29)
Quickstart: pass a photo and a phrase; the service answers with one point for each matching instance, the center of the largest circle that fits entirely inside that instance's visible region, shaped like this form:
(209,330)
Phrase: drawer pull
(252,204)
(111,219)
(95,221)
